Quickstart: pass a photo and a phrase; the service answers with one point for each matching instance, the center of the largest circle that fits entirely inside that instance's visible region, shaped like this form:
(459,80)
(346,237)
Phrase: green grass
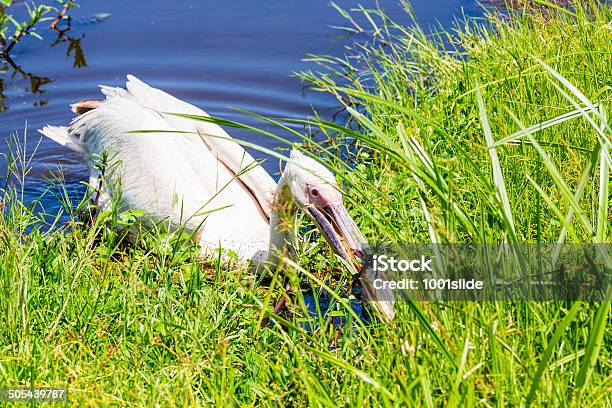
(504,139)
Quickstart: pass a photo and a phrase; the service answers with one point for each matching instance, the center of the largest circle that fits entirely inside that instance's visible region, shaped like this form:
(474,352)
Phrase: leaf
(552,344)
(498,176)
(594,343)
(516,136)
(604,180)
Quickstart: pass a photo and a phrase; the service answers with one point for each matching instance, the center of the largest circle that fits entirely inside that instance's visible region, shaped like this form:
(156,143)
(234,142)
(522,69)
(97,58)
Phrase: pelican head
(316,192)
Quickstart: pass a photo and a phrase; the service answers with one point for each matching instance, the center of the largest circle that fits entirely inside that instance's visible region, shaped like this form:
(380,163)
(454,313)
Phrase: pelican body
(190,174)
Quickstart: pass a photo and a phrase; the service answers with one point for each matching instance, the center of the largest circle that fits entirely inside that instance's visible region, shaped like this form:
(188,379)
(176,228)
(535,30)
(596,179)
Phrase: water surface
(216,54)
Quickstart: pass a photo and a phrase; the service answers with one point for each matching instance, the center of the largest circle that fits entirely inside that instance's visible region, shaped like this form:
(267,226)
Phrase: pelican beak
(343,235)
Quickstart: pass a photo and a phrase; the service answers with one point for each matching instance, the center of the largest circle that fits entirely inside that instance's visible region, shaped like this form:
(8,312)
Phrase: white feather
(173,177)
(60,134)
(221,145)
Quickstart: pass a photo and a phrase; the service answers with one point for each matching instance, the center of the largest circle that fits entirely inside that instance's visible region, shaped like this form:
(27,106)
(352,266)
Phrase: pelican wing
(256,180)
(61,135)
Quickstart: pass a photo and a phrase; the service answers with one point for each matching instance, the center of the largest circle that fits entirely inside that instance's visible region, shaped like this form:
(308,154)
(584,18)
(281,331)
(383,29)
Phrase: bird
(190,174)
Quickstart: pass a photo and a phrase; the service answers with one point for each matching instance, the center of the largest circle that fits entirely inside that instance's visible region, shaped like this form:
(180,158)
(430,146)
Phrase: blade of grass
(552,344)
(594,343)
(498,176)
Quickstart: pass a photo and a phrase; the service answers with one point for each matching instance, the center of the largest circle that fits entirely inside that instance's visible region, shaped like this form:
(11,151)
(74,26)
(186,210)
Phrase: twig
(8,47)
(279,305)
(59,17)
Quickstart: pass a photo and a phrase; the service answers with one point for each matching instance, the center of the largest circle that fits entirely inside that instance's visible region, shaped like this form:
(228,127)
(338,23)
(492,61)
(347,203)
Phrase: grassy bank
(497,132)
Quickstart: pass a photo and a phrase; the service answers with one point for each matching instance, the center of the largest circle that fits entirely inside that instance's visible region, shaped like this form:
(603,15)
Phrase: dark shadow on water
(37,82)
(74,44)
(74,47)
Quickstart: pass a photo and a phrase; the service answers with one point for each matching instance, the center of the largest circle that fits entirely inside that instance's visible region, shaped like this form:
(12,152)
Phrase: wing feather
(61,135)
(256,180)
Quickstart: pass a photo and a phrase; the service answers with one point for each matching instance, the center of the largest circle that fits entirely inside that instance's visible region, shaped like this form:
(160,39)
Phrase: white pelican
(204,181)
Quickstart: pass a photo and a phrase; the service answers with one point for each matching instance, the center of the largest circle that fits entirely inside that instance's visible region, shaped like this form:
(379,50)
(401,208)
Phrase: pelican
(191,174)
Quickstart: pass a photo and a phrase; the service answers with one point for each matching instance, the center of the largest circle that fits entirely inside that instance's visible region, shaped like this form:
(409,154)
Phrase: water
(216,54)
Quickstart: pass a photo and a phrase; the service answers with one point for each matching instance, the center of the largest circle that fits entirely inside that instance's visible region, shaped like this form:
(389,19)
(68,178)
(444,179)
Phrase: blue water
(216,54)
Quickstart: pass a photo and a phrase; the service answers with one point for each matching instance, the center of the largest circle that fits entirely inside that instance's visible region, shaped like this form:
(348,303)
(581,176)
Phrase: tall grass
(495,132)
(481,120)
